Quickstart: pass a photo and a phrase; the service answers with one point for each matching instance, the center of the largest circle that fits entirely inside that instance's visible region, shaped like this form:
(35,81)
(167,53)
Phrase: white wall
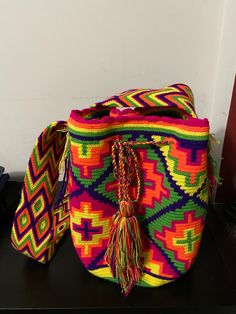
(224,78)
(56,55)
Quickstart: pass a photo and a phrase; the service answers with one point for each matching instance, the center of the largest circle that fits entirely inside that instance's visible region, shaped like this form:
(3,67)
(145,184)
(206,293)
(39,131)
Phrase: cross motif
(188,241)
(86,229)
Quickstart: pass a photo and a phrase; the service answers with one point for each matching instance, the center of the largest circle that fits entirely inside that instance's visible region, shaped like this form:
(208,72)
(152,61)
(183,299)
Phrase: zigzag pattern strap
(39,224)
(176,95)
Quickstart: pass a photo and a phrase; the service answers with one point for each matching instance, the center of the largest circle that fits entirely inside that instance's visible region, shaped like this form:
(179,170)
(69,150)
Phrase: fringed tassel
(213,177)
(64,167)
(124,251)
(64,183)
(66,151)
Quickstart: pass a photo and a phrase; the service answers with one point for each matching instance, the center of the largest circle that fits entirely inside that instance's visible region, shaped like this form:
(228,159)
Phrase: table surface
(210,285)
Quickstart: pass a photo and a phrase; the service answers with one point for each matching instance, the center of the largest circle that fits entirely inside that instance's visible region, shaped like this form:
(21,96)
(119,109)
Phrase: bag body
(152,157)
(174,196)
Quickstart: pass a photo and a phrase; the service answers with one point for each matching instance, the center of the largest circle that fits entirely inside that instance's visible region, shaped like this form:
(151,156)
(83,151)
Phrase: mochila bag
(135,187)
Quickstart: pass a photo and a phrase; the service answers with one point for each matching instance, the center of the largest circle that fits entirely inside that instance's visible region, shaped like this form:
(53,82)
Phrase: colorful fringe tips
(124,248)
(124,252)
(135,190)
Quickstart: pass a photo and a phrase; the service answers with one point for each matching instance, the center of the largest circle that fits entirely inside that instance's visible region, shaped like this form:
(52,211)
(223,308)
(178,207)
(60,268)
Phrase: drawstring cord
(124,252)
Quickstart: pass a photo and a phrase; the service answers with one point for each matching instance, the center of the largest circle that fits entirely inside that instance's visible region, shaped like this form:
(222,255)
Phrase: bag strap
(178,96)
(39,222)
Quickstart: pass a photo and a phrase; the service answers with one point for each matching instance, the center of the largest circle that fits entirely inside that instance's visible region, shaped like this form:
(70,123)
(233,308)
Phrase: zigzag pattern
(177,95)
(38,225)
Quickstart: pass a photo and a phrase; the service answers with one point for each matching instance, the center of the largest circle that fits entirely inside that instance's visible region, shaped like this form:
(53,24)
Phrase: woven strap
(40,222)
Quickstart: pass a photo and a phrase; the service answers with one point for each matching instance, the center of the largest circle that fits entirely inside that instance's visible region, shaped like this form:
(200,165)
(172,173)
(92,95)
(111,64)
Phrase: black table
(209,287)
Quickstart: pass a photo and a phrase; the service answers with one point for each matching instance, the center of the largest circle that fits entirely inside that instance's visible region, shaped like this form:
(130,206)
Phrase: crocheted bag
(138,185)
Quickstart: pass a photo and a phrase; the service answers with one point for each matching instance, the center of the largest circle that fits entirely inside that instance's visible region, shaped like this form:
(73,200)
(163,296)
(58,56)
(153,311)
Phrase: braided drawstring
(125,244)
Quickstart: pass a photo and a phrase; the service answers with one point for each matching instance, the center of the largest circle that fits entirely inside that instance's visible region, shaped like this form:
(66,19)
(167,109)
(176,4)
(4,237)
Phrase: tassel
(124,250)
(64,167)
(63,190)
(213,177)
(65,153)
(125,247)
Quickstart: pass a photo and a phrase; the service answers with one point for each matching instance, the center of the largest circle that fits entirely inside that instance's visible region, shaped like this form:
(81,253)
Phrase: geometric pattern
(90,226)
(174,193)
(177,95)
(181,161)
(182,237)
(39,225)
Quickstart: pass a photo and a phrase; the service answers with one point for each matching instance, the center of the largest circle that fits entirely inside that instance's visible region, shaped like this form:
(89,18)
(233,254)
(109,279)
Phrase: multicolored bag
(135,189)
